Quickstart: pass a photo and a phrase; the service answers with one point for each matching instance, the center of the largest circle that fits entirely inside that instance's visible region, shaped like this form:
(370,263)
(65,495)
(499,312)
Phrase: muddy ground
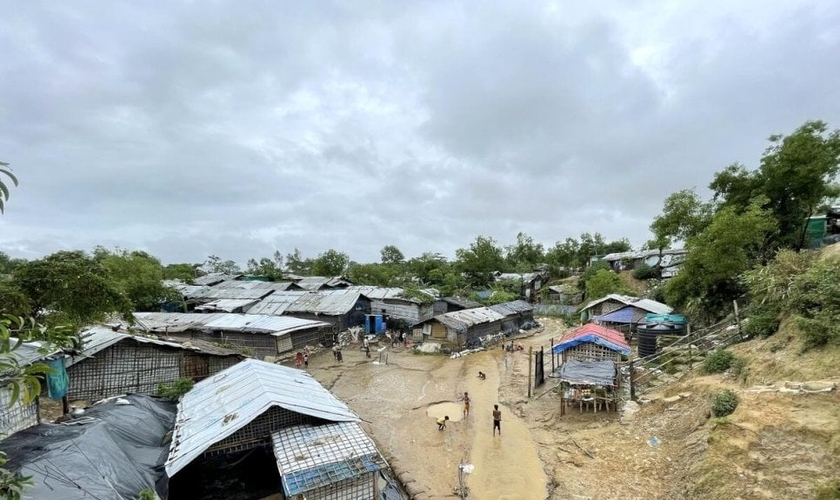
(539,453)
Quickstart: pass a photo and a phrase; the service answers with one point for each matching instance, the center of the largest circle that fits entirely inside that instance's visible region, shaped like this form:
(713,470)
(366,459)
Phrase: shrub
(176,389)
(761,325)
(828,491)
(718,361)
(724,403)
(644,272)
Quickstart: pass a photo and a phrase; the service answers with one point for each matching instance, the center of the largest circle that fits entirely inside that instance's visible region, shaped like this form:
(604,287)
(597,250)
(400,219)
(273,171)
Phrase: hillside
(782,441)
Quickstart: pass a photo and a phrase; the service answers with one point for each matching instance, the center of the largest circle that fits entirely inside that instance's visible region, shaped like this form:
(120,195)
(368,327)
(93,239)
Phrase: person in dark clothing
(339,356)
(497,420)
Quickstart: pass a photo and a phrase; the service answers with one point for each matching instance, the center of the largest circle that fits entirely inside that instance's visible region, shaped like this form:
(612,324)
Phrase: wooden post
(690,355)
(562,400)
(552,357)
(738,320)
(632,383)
(65,405)
(530,363)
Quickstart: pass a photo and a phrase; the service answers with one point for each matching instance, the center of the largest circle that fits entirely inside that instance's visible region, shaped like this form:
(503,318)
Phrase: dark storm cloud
(190,128)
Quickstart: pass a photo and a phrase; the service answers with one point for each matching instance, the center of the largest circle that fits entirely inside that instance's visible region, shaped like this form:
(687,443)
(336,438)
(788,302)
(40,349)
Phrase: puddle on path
(454,410)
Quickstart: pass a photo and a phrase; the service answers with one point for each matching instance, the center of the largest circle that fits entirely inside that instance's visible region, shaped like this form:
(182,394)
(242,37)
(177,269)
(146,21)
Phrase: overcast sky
(239,128)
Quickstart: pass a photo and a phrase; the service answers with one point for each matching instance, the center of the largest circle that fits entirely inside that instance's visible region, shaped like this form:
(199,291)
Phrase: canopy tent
(588,372)
(595,334)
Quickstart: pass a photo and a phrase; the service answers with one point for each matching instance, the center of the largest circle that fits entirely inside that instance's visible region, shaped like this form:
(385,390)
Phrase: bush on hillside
(718,361)
(644,272)
(724,403)
(176,389)
(817,303)
(761,324)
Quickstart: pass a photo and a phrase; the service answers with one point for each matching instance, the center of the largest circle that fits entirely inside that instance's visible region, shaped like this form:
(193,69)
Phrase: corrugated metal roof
(461,302)
(512,308)
(232,293)
(310,456)
(461,320)
(227,305)
(245,323)
(276,303)
(327,302)
(222,404)
(624,299)
(653,306)
(98,338)
(213,278)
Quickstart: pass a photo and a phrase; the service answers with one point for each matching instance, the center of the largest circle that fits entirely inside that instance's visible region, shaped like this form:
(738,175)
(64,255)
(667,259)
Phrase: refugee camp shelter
(342,309)
(395,305)
(257,335)
(588,370)
(530,283)
(113,451)
(112,362)
(330,461)
(605,305)
(316,283)
(244,408)
(627,317)
(20,415)
(453,304)
(469,326)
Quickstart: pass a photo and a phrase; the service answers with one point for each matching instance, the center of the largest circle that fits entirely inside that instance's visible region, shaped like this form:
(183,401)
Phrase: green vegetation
(644,272)
(147,494)
(4,189)
(176,389)
(724,403)
(606,282)
(830,490)
(718,361)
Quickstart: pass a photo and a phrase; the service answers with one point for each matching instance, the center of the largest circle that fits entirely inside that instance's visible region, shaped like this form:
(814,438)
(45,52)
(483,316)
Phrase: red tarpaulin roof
(607,334)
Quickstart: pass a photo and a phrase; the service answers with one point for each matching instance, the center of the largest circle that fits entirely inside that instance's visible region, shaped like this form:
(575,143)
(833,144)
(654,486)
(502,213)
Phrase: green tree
(372,274)
(524,256)
(270,268)
(710,278)
(138,275)
(684,216)
(796,177)
(8,264)
(392,255)
(605,282)
(330,263)
(480,261)
(184,272)
(4,189)
(215,264)
(562,256)
(297,264)
(70,286)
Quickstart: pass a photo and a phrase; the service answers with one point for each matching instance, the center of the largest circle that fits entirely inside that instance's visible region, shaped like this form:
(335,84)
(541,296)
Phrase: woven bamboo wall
(122,368)
(350,489)
(258,345)
(258,431)
(589,351)
(16,417)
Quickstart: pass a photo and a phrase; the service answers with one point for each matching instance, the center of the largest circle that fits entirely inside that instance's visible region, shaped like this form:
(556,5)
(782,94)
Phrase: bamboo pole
(530,363)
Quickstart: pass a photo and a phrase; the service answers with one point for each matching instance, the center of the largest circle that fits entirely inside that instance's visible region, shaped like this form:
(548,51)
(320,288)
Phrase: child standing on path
(306,360)
(466,405)
(497,420)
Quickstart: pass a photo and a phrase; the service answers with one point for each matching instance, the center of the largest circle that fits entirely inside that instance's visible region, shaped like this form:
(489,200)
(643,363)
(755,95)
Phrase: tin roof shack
(589,366)
(113,452)
(331,461)
(316,283)
(518,315)
(18,416)
(668,261)
(605,305)
(340,308)
(564,294)
(232,419)
(398,305)
(470,327)
(259,335)
(111,363)
(457,304)
(626,318)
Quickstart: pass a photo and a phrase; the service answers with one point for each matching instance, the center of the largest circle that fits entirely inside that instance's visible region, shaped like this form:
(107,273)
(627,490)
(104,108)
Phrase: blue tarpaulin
(591,338)
(623,315)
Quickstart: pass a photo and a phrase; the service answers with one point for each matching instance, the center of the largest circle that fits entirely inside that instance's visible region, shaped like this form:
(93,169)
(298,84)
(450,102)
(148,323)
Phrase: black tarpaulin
(588,372)
(112,452)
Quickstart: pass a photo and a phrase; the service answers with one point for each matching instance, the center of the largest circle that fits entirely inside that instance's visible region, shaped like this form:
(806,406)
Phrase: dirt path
(507,466)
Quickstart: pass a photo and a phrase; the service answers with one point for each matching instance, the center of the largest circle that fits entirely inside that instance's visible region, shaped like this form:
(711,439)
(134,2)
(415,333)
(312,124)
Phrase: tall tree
(684,215)
(392,255)
(525,255)
(8,264)
(72,286)
(480,261)
(270,268)
(330,263)
(183,271)
(215,264)
(297,264)
(138,275)
(796,176)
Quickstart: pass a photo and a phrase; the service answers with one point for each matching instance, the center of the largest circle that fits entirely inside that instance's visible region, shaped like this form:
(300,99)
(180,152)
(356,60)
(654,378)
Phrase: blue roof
(623,315)
(596,339)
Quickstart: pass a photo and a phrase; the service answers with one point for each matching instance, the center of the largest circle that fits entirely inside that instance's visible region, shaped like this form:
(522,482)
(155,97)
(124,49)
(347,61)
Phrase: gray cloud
(194,128)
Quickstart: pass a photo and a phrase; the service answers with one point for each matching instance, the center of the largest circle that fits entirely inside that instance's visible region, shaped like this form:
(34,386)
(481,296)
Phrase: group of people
(497,414)
(302,359)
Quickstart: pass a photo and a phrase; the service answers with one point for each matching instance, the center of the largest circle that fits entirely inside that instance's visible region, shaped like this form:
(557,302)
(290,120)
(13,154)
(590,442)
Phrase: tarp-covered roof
(112,456)
(588,372)
(245,390)
(597,334)
(623,315)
